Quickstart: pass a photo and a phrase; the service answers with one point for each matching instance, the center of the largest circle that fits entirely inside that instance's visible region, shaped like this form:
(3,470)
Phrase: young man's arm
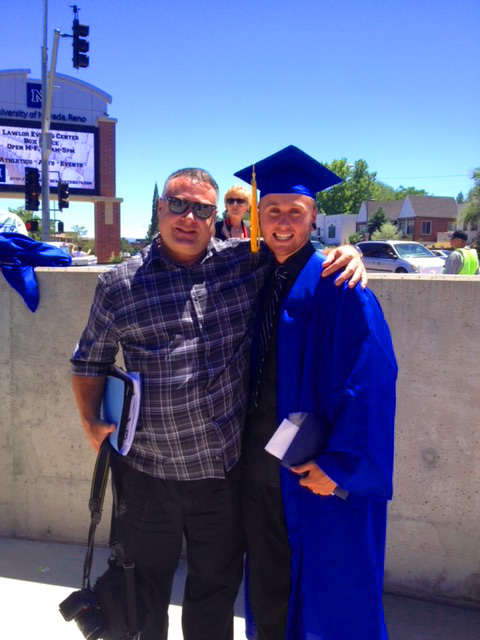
(349,258)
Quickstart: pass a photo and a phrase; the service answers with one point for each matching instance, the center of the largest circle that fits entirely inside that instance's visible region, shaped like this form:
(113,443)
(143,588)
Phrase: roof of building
(390,207)
(434,206)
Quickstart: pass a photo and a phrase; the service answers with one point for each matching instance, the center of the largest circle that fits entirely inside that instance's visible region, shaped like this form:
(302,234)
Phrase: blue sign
(34,95)
(3,173)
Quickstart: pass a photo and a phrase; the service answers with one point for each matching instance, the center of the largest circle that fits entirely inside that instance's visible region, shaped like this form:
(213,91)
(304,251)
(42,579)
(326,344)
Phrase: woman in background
(237,204)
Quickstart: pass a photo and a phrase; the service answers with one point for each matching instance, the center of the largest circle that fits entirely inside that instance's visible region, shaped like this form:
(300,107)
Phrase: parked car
(318,245)
(441,253)
(399,256)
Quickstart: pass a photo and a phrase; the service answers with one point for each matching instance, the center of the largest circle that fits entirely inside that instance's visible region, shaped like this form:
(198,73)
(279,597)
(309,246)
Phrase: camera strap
(95,505)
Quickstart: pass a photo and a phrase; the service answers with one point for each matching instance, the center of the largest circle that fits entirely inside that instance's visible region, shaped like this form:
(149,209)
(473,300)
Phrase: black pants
(268,554)
(154,515)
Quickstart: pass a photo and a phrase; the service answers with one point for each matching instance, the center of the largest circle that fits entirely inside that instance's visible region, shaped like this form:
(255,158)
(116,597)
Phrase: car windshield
(413,250)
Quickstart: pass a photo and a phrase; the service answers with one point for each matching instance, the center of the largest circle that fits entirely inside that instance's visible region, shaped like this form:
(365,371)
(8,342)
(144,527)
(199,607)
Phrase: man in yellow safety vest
(463,261)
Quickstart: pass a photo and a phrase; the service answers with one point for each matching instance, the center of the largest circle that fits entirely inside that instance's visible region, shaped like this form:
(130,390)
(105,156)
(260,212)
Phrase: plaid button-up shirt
(187,330)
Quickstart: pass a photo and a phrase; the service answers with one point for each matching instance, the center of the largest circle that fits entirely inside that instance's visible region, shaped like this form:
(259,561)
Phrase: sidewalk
(36,576)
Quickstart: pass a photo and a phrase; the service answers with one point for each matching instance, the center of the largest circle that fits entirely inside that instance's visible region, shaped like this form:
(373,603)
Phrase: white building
(334,229)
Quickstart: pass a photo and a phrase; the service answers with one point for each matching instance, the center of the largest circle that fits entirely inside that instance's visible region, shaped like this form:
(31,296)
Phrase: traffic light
(80,45)
(32,189)
(63,192)
(32,225)
(60,226)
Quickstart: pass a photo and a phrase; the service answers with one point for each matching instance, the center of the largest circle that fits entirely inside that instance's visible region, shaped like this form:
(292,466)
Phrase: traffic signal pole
(46,140)
(80,47)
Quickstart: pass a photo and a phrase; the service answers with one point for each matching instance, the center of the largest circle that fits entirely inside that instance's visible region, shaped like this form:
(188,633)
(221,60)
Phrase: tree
(359,184)
(402,192)
(388,231)
(460,198)
(471,213)
(79,230)
(385,193)
(376,221)
(152,229)
(22,213)
(347,196)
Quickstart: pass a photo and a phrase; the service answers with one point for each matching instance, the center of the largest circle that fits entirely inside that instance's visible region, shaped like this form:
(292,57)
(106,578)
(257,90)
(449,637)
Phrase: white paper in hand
(282,439)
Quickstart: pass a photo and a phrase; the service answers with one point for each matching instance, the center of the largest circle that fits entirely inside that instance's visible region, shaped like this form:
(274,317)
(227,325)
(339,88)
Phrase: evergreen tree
(376,221)
(152,229)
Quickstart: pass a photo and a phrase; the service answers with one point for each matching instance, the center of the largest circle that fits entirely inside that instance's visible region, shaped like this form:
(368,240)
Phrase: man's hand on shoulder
(347,257)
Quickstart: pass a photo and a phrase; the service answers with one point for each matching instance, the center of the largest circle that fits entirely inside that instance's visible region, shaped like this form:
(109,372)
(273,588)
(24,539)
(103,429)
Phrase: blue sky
(223,83)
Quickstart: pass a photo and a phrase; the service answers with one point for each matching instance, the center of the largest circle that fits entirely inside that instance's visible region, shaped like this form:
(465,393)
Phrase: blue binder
(310,441)
(120,406)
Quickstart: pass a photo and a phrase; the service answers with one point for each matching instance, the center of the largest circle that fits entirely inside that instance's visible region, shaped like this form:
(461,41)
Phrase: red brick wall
(107,236)
(106,137)
(439,225)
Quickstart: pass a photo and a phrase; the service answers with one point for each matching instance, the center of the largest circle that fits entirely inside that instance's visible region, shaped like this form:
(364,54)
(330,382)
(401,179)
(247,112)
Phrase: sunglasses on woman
(239,201)
(178,206)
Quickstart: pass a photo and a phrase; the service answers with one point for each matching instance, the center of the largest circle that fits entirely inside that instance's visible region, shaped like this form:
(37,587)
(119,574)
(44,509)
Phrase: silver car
(399,256)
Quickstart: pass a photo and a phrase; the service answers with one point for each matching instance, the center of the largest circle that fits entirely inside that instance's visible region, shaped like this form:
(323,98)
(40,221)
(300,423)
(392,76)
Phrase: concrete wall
(434,523)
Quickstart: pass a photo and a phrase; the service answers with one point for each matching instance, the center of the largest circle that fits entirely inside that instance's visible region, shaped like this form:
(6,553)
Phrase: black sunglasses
(239,201)
(199,209)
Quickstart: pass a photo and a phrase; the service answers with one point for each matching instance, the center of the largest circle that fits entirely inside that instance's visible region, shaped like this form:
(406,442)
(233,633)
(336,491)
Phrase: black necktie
(266,328)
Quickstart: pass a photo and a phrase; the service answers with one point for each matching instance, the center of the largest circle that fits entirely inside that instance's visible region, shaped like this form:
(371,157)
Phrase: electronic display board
(72,158)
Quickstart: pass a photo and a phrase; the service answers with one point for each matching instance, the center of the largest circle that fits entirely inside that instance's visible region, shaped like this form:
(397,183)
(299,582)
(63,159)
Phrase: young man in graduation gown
(315,534)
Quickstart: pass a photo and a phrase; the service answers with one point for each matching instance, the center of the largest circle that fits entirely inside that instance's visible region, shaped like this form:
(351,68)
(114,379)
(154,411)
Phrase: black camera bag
(115,590)
(120,611)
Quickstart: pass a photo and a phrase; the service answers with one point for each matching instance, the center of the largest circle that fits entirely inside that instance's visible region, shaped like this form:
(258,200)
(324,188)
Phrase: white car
(442,253)
(399,256)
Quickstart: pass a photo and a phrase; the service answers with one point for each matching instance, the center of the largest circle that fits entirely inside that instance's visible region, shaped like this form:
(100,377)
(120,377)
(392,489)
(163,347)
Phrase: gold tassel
(254,223)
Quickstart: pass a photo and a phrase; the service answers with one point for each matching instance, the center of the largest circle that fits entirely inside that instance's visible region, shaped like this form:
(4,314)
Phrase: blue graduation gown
(336,360)
(19,254)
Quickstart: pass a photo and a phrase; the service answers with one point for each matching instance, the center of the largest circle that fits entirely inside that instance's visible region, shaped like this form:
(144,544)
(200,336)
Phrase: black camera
(82,606)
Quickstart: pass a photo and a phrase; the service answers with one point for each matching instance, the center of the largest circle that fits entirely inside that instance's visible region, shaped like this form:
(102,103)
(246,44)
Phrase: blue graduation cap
(290,171)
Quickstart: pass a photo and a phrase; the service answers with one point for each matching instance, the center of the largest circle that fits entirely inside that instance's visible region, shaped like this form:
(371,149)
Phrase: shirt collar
(294,264)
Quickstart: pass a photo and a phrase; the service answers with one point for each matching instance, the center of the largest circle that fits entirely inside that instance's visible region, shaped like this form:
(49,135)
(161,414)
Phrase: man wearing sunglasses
(183,312)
